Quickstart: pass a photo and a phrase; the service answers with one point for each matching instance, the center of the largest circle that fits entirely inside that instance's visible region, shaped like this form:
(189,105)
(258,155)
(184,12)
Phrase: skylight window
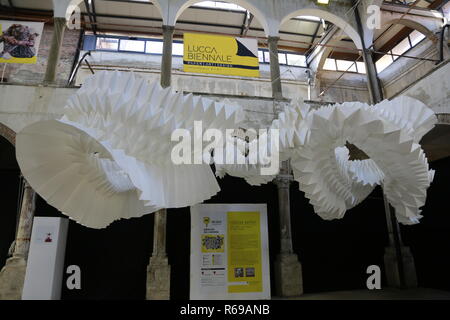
(132,45)
(409,42)
(311,18)
(330,64)
(361,67)
(383,62)
(401,48)
(416,37)
(177,49)
(219,5)
(345,65)
(155,47)
(296,60)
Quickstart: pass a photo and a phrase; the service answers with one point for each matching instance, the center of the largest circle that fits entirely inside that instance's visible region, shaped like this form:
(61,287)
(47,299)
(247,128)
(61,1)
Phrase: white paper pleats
(389,132)
(131,122)
(75,173)
(110,156)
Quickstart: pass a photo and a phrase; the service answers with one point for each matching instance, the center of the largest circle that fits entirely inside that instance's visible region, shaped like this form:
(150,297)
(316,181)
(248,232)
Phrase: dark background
(334,254)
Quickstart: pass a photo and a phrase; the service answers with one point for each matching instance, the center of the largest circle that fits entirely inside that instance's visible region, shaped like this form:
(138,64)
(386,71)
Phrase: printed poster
(229,252)
(19,41)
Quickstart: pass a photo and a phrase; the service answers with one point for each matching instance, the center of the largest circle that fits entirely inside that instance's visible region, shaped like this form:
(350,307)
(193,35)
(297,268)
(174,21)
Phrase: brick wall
(34,73)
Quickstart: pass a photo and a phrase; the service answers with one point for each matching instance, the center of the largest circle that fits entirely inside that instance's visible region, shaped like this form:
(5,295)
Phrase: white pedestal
(44,275)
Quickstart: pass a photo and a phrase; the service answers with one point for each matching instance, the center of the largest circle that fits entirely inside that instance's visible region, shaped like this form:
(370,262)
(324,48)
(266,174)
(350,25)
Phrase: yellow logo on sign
(204,53)
(206,221)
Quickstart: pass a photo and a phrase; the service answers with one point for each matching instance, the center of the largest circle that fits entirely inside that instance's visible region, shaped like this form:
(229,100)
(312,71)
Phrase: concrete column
(398,260)
(166,61)
(12,275)
(275,78)
(59,25)
(288,270)
(373,84)
(158,271)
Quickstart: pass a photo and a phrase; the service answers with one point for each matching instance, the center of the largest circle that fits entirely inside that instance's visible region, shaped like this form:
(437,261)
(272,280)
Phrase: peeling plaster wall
(434,89)
(423,80)
(22,105)
(351,87)
(405,71)
(294,79)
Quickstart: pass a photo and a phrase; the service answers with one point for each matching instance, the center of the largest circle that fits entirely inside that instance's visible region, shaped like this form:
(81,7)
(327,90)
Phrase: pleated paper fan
(76,174)
(141,119)
(131,122)
(334,184)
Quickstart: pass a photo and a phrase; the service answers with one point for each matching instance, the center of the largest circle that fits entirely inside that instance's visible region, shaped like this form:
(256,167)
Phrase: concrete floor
(383,294)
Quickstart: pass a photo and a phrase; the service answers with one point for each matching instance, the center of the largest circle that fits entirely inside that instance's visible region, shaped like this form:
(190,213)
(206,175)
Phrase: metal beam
(244,22)
(311,48)
(93,11)
(247,22)
(322,44)
(91,18)
(103,15)
(412,11)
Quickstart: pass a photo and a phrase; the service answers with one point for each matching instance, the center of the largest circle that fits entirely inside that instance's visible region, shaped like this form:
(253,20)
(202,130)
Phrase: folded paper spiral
(131,122)
(110,155)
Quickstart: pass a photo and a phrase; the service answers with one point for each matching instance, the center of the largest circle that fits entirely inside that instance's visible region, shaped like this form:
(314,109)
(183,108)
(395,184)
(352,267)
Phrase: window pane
(383,63)
(345,65)
(416,37)
(154,47)
(266,56)
(361,67)
(282,58)
(296,60)
(261,56)
(311,18)
(107,44)
(329,64)
(132,45)
(177,49)
(218,4)
(401,48)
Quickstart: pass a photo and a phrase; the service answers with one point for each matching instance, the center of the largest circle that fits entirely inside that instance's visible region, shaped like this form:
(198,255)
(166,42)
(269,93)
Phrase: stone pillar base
(409,269)
(288,276)
(12,278)
(158,279)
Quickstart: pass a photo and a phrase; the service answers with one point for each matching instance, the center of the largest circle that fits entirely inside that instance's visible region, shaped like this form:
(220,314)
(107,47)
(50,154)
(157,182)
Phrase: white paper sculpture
(387,134)
(129,124)
(76,174)
(250,171)
(314,141)
(109,156)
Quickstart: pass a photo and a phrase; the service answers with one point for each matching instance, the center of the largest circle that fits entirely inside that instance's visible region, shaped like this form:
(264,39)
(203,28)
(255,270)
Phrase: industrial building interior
(326,55)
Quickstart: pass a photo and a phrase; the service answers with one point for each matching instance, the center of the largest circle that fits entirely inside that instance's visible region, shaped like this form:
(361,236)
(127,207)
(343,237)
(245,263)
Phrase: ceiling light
(323,1)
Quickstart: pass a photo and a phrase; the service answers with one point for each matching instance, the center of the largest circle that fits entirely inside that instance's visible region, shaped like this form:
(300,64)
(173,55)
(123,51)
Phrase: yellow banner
(19,41)
(204,53)
(244,252)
